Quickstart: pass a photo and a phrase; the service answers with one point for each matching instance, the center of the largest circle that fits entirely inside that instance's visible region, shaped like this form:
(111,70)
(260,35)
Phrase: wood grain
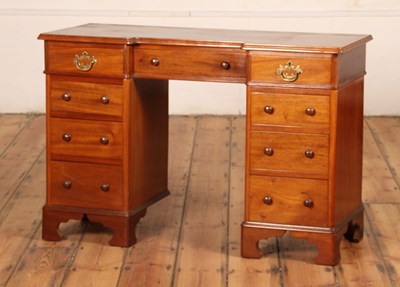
(202,250)
(27,260)
(244,272)
(159,230)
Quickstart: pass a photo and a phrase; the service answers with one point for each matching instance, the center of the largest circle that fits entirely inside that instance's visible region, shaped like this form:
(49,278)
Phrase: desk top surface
(241,39)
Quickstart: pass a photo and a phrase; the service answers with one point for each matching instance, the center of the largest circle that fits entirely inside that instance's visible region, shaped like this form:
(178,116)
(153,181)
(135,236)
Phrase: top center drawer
(190,63)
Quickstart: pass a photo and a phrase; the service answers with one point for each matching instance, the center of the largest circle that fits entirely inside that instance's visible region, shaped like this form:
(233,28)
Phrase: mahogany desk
(107,127)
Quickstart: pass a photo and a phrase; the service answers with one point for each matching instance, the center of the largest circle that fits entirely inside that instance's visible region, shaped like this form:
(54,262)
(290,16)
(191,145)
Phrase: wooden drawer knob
(309,154)
(308,203)
(66,137)
(155,62)
(105,100)
(67,184)
(267,200)
(66,97)
(268,151)
(310,112)
(225,65)
(269,110)
(105,187)
(104,140)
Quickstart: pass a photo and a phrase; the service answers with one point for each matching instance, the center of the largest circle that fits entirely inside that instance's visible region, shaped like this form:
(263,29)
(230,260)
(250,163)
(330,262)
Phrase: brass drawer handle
(308,203)
(268,200)
(310,112)
(105,187)
(155,62)
(67,137)
(225,65)
(289,72)
(67,184)
(268,151)
(66,97)
(309,154)
(105,100)
(84,62)
(104,140)
(269,110)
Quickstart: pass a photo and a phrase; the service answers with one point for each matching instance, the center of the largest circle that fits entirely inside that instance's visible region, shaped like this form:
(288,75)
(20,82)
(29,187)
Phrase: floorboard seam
(184,205)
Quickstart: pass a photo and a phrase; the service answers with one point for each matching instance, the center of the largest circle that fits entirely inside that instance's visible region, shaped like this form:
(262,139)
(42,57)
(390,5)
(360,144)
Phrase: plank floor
(191,238)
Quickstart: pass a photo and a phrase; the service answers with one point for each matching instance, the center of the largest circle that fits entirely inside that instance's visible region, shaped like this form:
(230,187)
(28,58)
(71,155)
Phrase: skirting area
(192,237)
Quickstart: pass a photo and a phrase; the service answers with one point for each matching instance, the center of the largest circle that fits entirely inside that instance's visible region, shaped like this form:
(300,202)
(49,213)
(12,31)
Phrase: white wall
(21,60)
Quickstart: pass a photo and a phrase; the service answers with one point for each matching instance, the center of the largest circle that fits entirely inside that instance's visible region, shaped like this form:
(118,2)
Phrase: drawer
(85,59)
(288,201)
(86,185)
(292,69)
(291,110)
(86,99)
(276,152)
(190,63)
(82,140)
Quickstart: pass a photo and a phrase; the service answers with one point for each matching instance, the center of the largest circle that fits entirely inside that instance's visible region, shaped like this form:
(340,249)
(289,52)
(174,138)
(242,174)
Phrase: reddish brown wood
(249,40)
(303,133)
(194,63)
(122,225)
(251,236)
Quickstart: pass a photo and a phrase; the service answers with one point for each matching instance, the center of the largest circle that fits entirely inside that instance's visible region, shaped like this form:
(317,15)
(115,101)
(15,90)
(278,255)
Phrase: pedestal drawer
(83,140)
(288,200)
(290,110)
(86,99)
(86,185)
(292,69)
(276,152)
(85,59)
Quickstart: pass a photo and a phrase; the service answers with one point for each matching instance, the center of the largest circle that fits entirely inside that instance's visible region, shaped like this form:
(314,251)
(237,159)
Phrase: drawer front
(86,185)
(87,59)
(288,69)
(289,152)
(289,110)
(185,63)
(86,140)
(85,99)
(288,201)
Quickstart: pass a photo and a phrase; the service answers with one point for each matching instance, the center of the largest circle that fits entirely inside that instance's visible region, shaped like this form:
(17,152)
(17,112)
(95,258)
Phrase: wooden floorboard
(191,238)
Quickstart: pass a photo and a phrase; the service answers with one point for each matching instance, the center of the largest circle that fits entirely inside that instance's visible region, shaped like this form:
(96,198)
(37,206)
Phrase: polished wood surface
(303,131)
(193,63)
(251,40)
(84,258)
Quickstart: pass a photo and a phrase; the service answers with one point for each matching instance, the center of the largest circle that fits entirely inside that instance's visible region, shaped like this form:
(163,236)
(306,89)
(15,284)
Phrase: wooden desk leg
(52,219)
(328,245)
(355,229)
(250,238)
(123,227)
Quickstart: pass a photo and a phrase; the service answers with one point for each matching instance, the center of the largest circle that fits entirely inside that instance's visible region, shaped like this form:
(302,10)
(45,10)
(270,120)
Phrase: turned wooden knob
(309,154)
(66,97)
(267,200)
(268,151)
(67,184)
(308,203)
(269,110)
(155,62)
(225,65)
(66,137)
(104,140)
(105,100)
(105,187)
(310,111)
